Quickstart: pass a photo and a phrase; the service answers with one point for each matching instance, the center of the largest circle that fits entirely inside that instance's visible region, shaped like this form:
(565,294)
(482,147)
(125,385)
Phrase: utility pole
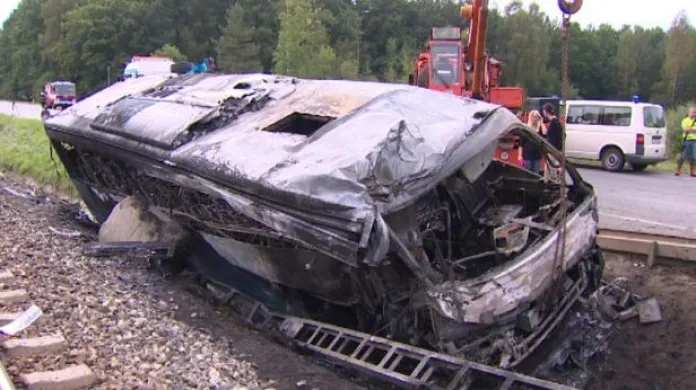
(108,75)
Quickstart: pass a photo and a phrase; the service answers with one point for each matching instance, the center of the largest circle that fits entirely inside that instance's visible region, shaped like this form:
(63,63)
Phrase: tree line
(87,41)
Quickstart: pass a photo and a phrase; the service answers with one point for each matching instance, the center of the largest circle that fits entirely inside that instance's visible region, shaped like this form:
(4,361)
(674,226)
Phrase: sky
(6,8)
(619,12)
(615,12)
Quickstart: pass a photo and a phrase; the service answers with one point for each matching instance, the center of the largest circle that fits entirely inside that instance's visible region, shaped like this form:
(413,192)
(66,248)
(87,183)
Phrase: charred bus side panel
(375,206)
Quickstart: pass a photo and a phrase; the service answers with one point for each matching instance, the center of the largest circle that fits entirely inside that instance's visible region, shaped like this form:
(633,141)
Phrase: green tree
(392,61)
(237,51)
(342,23)
(263,15)
(101,35)
(52,12)
(21,59)
(630,53)
(349,70)
(192,26)
(526,49)
(171,51)
(678,81)
(353,39)
(303,43)
(640,58)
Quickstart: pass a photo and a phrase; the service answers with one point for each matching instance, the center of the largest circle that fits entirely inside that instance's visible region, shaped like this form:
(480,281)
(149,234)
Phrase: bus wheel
(612,159)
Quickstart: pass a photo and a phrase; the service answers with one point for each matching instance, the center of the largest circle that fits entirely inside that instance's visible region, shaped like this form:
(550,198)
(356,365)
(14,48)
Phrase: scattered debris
(649,311)
(617,303)
(589,331)
(16,193)
(22,322)
(584,335)
(76,212)
(154,250)
(66,234)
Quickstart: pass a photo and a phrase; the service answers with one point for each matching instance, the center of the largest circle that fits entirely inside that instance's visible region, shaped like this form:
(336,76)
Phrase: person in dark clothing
(531,152)
(555,132)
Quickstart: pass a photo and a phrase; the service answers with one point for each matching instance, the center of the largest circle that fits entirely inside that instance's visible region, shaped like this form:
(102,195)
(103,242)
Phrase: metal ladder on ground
(404,365)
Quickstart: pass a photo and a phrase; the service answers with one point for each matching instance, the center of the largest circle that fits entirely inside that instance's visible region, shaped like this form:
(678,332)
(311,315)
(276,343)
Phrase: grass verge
(25,150)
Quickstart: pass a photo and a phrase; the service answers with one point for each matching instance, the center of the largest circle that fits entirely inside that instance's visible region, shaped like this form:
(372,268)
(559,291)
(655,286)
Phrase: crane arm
(477,13)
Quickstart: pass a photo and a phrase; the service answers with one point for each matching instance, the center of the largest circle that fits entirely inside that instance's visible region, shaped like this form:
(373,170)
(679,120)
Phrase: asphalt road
(647,202)
(24,110)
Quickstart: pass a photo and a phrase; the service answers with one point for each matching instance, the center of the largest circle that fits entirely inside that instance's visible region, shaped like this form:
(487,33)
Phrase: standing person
(531,153)
(688,151)
(555,135)
(555,129)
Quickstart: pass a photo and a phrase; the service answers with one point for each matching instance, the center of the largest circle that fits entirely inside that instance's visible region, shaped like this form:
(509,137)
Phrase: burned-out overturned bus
(375,206)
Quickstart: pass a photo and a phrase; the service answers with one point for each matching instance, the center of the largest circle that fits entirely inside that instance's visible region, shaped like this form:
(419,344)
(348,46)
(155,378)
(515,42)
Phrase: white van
(144,66)
(616,133)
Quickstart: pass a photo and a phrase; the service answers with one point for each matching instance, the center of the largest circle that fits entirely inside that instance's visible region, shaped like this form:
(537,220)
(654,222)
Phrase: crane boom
(477,45)
(465,70)
(448,65)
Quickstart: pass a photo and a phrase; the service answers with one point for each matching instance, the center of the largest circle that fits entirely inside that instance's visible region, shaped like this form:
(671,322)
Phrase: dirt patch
(655,356)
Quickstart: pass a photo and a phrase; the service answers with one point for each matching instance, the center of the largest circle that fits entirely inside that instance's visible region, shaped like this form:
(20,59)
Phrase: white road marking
(645,221)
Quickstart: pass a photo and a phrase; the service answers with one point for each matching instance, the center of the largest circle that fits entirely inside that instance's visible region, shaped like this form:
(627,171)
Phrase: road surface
(24,110)
(647,202)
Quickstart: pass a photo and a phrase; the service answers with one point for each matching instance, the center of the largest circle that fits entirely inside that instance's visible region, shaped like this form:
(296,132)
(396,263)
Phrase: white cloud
(619,12)
(6,8)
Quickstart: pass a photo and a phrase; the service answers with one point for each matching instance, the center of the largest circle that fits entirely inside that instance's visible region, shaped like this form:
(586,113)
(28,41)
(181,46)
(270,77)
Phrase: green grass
(24,149)
(665,166)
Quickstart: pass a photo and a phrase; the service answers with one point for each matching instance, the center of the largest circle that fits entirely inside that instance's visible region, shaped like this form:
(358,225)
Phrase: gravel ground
(133,327)
(137,329)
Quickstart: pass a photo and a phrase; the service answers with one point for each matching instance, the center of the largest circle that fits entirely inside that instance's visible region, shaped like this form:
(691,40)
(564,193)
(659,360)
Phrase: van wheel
(639,167)
(612,159)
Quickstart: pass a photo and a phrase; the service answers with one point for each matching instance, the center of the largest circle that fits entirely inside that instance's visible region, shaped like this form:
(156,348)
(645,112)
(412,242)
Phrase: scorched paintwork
(376,199)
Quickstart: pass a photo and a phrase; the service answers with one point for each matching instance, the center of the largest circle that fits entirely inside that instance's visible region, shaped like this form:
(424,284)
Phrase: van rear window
(653,116)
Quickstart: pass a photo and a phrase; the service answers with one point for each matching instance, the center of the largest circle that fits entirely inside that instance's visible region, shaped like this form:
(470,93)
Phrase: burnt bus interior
(459,230)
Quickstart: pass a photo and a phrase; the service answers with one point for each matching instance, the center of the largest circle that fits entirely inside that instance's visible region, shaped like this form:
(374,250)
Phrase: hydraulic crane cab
(441,66)
(449,65)
(468,69)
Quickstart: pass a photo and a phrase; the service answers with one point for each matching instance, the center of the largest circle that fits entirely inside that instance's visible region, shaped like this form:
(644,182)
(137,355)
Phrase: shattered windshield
(445,63)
